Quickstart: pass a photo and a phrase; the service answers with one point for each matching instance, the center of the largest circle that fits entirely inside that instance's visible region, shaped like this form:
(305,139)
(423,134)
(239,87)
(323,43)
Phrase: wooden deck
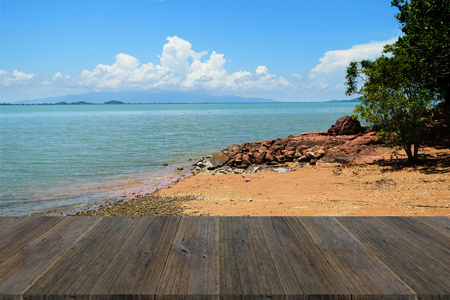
(225,258)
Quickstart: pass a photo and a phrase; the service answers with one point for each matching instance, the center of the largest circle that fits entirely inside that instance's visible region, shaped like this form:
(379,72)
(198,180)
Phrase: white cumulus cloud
(337,60)
(14,78)
(180,68)
(176,54)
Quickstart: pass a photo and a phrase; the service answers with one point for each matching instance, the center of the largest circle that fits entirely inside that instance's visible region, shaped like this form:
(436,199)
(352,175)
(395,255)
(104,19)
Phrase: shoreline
(387,188)
(343,171)
(124,193)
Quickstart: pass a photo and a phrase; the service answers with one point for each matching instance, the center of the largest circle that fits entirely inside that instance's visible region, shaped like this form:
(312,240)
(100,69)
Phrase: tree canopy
(396,105)
(425,44)
(399,88)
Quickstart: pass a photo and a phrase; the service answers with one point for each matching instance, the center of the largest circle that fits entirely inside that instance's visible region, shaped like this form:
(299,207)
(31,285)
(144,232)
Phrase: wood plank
(22,232)
(441,224)
(424,275)
(299,262)
(25,266)
(192,267)
(77,272)
(364,275)
(136,269)
(247,269)
(12,225)
(5,221)
(428,240)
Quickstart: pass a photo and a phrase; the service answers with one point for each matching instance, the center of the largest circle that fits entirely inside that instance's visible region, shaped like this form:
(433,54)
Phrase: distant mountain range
(145,97)
(351,100)
(141,97)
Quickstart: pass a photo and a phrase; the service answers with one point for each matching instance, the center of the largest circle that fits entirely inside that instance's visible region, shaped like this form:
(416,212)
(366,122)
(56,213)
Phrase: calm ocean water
(69,156)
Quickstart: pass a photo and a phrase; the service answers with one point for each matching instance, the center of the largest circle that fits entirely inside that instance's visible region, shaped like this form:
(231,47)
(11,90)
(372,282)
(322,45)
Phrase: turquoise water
(63,156)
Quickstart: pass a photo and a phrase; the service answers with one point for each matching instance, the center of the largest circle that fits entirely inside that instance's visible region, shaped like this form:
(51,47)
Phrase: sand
(386,189)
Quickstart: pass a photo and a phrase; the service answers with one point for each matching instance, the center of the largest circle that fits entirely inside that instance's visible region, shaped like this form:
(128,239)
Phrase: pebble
(179,168)
(249,200)
(247,180)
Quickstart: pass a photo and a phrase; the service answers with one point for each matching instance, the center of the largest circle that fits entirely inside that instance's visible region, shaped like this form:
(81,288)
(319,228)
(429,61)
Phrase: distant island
(112,102)
(346,101)
(145,97)
(141,97)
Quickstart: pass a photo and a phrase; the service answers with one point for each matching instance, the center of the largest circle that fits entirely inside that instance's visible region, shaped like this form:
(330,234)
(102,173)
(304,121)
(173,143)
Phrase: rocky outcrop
(346,126)
(334,145)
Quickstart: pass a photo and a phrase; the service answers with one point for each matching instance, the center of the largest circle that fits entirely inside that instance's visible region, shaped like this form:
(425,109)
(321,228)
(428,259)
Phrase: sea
(66,158)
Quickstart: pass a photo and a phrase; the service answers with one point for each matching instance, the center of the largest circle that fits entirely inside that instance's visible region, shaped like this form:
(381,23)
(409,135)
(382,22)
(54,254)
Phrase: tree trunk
(409,153)
(416,151)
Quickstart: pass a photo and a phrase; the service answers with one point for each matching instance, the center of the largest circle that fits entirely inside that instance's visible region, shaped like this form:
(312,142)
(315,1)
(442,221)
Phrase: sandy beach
(390,188)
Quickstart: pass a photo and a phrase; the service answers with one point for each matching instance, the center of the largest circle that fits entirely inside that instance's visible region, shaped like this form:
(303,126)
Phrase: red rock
(302,148)
(280,158)
(219,160)
(288,155)
(320,153)
(279,143)
(260,157)
(346,126)
(246,158)
(327,146)
(246,163)
(269,157)
(233,147)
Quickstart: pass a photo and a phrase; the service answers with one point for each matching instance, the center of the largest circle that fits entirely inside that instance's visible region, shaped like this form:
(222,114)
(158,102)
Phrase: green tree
(393,101)
(425,45)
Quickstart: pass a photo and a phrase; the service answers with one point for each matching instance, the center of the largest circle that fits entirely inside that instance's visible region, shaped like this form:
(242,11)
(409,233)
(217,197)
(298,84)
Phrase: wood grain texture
(424,275)
(73,276)
(5,222)
(136,269)
(295,254)
(441,224)
(429,241)
(247,269)
(364,275)
(25,266)
(357,258)
(20,233)
(192,266)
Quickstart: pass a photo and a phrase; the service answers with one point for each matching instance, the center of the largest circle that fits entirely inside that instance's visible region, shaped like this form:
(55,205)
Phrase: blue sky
(285,50)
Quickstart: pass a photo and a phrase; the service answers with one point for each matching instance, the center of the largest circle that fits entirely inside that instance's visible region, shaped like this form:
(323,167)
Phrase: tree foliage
(399,89)
(391,101)
(425,45)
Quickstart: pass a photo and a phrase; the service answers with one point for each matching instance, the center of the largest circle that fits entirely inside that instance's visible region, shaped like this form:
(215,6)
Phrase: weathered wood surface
(224,258)
(415,263)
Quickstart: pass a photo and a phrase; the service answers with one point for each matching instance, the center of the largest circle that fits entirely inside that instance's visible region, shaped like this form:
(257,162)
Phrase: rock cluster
(345,142)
